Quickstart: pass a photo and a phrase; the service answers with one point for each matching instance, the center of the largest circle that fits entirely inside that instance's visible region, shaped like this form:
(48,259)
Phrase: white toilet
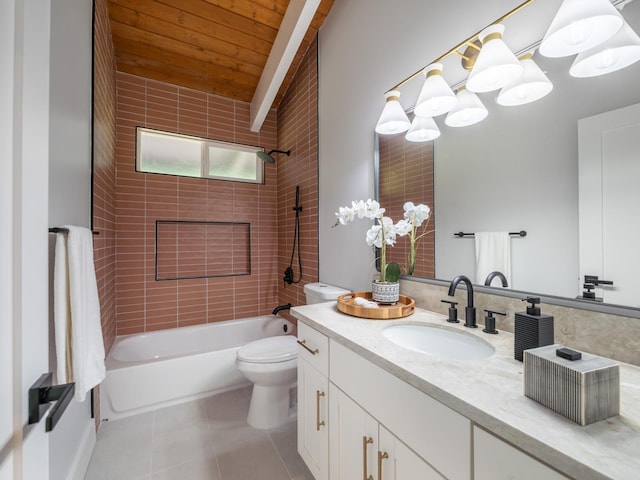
(271,364)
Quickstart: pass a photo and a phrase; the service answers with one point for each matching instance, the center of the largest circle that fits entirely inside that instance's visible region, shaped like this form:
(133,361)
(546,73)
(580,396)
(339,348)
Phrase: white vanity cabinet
(494,459)
(313,391)
(437,434)
(360,447)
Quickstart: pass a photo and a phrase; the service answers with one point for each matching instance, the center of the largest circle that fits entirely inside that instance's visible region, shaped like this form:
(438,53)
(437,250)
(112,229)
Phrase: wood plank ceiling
(215,46)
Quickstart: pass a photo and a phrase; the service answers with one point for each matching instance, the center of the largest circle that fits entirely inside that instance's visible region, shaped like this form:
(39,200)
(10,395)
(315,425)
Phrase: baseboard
(81,460)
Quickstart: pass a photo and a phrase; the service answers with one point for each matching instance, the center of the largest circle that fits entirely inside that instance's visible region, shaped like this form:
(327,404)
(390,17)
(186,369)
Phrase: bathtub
(152,370)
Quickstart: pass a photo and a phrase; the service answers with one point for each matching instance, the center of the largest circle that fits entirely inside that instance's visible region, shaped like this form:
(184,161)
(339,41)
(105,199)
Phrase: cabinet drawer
(313,347)
(513,464)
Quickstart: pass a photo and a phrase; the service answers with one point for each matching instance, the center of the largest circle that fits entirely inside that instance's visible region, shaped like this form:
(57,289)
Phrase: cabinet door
(494,459)
(313,436)
(353,439)
(396,461)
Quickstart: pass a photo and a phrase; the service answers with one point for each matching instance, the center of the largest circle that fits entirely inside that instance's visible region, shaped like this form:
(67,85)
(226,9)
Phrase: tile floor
(207,439)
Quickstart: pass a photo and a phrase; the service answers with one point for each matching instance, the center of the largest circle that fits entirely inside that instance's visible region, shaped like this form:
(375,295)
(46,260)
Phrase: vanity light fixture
(436,96)
(580,25)
(532,85)
(469,110)
(496,64)
(620,51)
(593,28)
(423,129)
(393,118)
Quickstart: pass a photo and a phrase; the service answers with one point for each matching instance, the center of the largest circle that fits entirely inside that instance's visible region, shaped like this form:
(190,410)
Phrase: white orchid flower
(345,215)
(359,208)
(416,214)
(403,227)
(373,210)
(374,236)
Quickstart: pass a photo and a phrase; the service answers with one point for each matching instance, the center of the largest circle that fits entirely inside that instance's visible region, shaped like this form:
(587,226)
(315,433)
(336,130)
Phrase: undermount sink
(439,342)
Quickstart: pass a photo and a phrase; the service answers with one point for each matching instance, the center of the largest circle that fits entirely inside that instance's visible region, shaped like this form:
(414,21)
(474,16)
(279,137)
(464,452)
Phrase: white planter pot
(385,292)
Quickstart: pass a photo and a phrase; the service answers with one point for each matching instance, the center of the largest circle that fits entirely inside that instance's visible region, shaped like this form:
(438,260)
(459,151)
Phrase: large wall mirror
(521,169)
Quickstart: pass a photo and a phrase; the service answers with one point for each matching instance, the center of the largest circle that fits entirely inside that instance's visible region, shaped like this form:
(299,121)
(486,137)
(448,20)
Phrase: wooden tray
(403,308)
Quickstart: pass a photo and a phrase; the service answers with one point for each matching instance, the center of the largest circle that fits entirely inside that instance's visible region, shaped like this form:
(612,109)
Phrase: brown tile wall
(406,175)
(298,131)
(104,117)
(142,303)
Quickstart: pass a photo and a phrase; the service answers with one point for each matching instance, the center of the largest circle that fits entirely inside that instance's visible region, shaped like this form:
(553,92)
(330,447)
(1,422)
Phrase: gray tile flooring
(207,439)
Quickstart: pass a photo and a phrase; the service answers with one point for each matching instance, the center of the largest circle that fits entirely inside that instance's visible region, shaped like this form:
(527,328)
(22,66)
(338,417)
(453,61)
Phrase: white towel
(77,313)
(493,253)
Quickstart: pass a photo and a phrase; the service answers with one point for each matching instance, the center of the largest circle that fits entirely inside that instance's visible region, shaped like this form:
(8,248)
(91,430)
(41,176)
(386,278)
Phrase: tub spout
(281,307)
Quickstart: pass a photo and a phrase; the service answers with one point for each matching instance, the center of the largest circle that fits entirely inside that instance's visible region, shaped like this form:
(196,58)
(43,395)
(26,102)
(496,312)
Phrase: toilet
(271,364)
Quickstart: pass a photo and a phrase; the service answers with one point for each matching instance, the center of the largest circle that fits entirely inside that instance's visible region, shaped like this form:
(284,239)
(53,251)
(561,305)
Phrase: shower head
(267,158)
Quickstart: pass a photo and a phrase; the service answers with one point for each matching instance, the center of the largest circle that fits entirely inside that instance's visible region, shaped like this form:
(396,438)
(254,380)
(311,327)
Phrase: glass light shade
(532,85)
(436,96)
(422,129)
(496,64)
(393,118)
(469,109)
(618,52)
(580,25)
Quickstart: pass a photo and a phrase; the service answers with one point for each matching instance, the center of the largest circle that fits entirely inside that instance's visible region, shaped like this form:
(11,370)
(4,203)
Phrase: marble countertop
(490,393)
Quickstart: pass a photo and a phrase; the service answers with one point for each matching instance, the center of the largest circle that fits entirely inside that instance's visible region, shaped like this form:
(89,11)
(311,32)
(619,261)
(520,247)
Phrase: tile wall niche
(142,303)
(298,131)
(104,170)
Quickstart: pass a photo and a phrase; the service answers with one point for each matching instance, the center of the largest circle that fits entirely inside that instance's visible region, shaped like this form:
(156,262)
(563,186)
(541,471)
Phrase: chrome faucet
(470,310)
(493,275)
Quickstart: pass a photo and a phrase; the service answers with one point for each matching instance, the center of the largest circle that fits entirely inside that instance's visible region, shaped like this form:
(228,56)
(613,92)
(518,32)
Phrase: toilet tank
(322,292)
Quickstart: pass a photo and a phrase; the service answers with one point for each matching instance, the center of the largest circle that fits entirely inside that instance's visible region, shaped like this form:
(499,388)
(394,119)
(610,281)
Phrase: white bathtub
(153,370)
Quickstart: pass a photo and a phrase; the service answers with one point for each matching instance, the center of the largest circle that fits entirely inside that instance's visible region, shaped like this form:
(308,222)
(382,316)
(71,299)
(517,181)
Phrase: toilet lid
(269,350)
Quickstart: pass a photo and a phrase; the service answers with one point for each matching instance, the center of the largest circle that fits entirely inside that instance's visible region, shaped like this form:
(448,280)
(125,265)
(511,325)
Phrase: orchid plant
(416,216)
(385,232)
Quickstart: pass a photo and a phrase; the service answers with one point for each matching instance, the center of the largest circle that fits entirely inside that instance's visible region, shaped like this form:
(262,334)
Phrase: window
(187,156)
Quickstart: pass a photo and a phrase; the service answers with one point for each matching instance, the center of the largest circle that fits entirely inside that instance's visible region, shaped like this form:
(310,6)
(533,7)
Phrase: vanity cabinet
(437,434)
(363,448)
(313,391)
(494,459)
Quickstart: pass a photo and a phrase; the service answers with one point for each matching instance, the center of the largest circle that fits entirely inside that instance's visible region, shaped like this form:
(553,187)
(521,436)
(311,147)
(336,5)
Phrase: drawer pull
(365,440)
(381,456)
(303,343)
(318,422)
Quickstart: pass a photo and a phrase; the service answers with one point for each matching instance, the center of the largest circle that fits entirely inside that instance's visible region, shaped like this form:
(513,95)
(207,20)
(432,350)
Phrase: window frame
(206,143)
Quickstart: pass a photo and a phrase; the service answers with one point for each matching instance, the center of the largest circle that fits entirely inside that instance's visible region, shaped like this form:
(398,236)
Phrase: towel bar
(521,233)
(42,393)
(66,230)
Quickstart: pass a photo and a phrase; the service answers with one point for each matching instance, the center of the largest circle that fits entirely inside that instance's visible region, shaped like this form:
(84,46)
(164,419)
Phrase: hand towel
(82,333)
(62,310)
(493,253)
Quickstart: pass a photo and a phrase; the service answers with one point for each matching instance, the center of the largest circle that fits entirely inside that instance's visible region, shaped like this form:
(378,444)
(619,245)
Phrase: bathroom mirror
(519,170)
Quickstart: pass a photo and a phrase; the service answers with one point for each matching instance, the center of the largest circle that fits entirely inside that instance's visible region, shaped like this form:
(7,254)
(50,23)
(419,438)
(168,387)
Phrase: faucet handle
(490,321)
(453,311)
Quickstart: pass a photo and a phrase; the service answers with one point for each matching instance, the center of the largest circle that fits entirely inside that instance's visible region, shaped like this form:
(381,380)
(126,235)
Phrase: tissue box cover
(585,391)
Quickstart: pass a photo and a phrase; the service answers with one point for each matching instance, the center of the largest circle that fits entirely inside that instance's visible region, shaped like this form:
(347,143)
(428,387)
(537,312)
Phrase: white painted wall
(72,440)
(366,47)
(7,68)
(26,150)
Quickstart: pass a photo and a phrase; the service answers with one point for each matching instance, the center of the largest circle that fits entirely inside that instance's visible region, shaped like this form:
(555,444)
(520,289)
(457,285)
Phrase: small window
(187,156)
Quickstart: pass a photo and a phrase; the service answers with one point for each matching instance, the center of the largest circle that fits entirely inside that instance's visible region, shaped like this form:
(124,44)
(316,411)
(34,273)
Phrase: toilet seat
(269,350)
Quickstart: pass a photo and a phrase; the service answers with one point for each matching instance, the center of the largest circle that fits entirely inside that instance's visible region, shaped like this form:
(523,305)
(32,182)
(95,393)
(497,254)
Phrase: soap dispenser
(532,329)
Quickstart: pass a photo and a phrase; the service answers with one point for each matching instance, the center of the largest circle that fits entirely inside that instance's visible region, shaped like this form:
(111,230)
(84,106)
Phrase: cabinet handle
(365,441)
(318,422)
(304,344)
(381,456)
